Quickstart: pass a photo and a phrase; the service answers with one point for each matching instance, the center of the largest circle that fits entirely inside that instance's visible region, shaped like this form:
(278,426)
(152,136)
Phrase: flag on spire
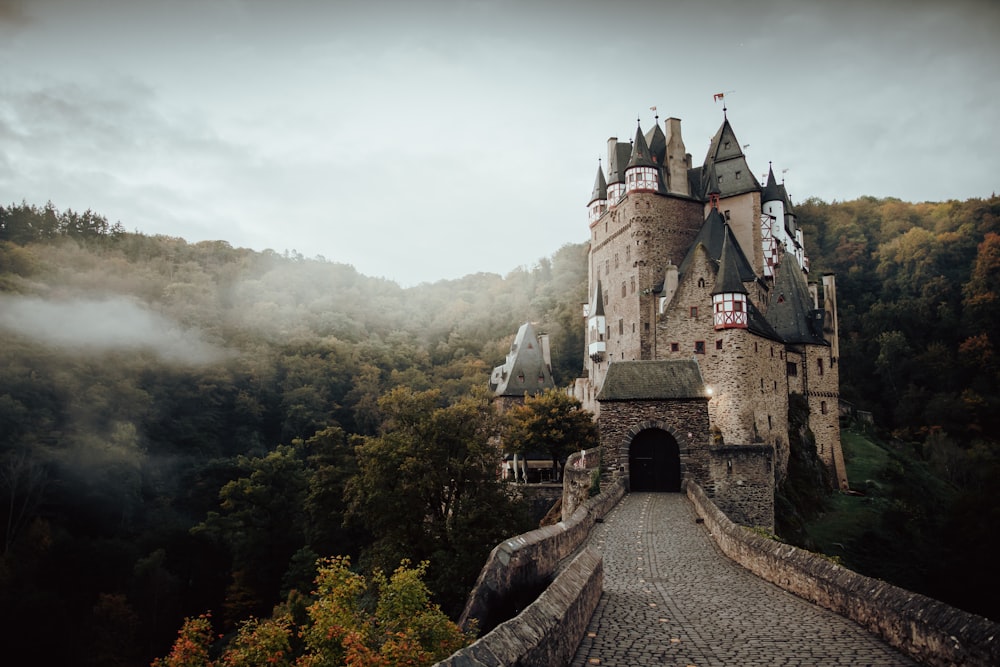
(718,96)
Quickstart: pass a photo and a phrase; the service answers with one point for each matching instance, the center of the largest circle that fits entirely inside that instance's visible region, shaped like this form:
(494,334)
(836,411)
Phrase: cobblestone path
(672,598)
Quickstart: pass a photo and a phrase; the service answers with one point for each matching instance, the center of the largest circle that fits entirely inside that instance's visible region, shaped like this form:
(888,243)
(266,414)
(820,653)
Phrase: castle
(702,322)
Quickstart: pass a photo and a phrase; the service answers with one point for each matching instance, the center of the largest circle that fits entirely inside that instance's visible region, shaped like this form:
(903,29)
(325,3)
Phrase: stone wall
(549,630)
(742,483)
(930,631)
(686,420)
(530,560)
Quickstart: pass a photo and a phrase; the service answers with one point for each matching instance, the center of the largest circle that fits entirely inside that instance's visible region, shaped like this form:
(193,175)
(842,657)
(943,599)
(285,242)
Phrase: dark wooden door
(654,462)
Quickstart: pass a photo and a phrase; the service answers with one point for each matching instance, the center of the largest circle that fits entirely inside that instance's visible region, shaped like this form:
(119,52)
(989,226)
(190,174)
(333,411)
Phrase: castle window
(628,252)
(699,347)
(646,326)
(633,284)
(718,344)
(675,347)
(701,282)
(792,368)
(725,144)
(623,289)
(607,267)
(755,346)
(621,327)
(633,327)
(616,260)
(738,175)
(762,384)
(769,422)
(694,311)
(772,351)
(776,385)
(819,366)
(726,214)
(605,298)
(822,407)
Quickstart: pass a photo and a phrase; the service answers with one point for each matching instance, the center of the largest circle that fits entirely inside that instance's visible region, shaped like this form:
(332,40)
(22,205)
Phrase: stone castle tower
(700,302)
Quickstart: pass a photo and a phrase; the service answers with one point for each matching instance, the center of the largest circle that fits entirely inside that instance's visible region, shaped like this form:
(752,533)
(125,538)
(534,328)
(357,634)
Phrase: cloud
(105,325)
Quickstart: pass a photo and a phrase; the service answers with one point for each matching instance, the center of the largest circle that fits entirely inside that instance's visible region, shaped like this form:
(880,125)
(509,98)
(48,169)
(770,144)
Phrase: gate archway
(654,461)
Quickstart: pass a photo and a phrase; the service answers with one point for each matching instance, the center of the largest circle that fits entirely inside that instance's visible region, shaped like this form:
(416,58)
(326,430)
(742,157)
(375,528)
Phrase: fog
(102,325)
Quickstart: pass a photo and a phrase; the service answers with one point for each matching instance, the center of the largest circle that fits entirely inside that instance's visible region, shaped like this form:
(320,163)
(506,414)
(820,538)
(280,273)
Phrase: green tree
(550,422)
(427,488)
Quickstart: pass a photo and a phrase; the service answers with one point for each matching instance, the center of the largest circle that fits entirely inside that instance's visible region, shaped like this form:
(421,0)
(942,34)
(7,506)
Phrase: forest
(189,428)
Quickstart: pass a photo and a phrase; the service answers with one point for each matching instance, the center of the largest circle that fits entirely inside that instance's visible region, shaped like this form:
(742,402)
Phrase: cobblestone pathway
(672,598)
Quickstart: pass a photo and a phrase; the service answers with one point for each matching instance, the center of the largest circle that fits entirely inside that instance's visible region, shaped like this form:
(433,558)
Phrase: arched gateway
(654,423)
(654,461)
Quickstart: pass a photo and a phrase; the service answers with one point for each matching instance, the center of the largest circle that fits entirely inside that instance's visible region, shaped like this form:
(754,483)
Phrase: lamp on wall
(708,391)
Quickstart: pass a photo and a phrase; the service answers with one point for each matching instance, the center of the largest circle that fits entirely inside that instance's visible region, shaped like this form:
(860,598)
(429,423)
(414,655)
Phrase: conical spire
(727,281)
(772,191)
(640,152)
(600,186)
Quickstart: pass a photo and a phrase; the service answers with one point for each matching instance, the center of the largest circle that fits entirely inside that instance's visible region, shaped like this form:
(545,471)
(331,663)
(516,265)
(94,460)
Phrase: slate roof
(640,152)
(711,235)
(731,171)
(600,187)
(771,191)
(675,379)
(525,370)
(657,142)
(727,280)
(790,309)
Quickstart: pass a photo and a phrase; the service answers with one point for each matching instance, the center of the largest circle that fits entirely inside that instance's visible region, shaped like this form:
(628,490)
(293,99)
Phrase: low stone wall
(741,483)
(930,631)
(549,630)
(530,560)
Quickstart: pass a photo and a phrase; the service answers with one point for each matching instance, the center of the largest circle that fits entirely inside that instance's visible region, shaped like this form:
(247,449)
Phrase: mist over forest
(183,427)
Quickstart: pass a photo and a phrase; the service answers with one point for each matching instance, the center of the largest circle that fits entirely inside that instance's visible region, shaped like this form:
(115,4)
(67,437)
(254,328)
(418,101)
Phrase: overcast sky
(426,140)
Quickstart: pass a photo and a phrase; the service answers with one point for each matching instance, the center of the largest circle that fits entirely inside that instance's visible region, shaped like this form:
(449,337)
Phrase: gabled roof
(600,187)
(714,231)
(790,309)
(727,280)
(725,155)
(675,379)
(640,152)
(758,324)
(525,371)
(725,145)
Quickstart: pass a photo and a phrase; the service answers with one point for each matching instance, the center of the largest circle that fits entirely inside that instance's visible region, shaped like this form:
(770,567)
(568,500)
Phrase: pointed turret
(729,296)
(641,172)
(599,197)
(772,192)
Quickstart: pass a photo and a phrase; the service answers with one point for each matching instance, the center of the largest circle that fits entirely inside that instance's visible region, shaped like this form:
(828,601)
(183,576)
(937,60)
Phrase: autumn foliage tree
(387,621)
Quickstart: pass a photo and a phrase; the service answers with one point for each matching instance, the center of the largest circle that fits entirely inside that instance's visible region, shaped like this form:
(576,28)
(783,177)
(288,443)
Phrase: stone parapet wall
(530,560)
(549,630)
(930,631)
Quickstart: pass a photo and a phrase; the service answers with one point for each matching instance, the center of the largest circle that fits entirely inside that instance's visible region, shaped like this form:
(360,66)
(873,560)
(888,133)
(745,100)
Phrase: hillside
(143,379)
